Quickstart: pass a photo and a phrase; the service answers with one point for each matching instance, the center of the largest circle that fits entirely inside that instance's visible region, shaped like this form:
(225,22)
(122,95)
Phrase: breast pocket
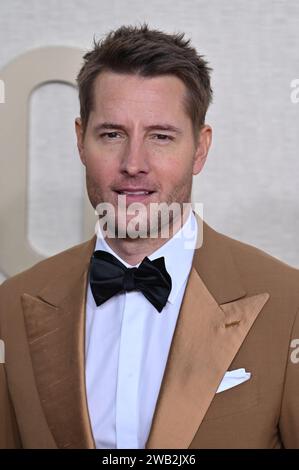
(234,400)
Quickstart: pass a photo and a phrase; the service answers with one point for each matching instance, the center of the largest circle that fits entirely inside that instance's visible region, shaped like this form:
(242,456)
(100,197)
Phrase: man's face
(139,142)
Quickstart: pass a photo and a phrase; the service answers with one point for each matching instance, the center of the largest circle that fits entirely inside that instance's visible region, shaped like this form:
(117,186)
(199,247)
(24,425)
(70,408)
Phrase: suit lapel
(206,339)
(55,324)
(214,320)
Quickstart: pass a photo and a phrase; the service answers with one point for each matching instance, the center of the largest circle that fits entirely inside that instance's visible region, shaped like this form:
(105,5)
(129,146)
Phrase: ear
(80,139)
(203,145)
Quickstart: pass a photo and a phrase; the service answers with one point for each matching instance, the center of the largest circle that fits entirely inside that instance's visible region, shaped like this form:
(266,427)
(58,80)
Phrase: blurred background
(249,185)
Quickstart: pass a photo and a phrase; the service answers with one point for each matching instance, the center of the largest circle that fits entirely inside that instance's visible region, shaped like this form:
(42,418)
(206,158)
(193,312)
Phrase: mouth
(136,195)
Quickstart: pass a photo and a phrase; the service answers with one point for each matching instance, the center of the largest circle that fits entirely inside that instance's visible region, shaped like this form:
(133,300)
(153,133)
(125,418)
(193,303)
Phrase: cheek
(174,171)
(99,167)
(99,178)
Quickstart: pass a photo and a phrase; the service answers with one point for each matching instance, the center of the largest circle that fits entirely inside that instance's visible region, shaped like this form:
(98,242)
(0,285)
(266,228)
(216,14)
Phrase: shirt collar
(178,253)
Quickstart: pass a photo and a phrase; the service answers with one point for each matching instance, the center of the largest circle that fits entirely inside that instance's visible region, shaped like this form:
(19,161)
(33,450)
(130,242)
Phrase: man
(138,341)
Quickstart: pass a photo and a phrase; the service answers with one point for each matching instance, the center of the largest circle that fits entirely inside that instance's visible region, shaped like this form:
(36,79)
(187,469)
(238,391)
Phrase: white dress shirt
(127,345)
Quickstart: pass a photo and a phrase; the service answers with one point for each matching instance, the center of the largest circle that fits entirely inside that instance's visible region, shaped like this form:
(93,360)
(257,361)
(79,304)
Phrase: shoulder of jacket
(37,275)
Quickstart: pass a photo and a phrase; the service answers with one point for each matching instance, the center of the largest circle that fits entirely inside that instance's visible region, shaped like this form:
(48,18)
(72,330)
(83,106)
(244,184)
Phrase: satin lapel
(204,344)
(208,335)
(55,324)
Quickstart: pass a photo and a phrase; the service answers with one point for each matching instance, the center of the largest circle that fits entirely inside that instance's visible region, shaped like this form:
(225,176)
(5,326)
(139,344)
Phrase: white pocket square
(232,378)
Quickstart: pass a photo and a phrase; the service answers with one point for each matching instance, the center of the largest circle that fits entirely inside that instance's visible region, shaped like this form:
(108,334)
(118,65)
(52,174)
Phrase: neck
(133,251)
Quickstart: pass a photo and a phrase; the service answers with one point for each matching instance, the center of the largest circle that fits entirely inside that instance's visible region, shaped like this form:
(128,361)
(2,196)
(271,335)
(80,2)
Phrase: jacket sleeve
(9,435)
(289,417)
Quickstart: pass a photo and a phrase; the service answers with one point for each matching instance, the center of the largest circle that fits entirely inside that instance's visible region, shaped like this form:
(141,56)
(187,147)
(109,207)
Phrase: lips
(135,194)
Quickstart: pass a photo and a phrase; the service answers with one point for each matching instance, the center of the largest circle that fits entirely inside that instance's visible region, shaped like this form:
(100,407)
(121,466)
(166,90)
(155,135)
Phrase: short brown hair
(148,53)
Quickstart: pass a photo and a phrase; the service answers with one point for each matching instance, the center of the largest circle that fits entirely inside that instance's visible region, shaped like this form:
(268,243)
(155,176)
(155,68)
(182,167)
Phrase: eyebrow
(113,125)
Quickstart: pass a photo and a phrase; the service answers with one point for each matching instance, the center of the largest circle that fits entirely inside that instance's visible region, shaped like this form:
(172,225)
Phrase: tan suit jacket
(240,310)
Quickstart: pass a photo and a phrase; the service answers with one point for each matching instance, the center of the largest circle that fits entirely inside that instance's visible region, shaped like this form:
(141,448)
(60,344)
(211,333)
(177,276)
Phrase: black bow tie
(108,276)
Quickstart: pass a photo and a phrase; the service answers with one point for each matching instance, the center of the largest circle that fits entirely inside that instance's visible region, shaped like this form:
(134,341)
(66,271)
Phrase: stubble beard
(163,225)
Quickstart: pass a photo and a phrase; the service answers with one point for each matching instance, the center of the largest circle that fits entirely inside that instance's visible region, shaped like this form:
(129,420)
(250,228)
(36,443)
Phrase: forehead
(116,92)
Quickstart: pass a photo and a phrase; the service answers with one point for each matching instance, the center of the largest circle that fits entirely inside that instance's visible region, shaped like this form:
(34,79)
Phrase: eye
(163,137)
(110,135)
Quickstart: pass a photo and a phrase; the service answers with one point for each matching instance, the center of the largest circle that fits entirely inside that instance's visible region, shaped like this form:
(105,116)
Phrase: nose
(134,158)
